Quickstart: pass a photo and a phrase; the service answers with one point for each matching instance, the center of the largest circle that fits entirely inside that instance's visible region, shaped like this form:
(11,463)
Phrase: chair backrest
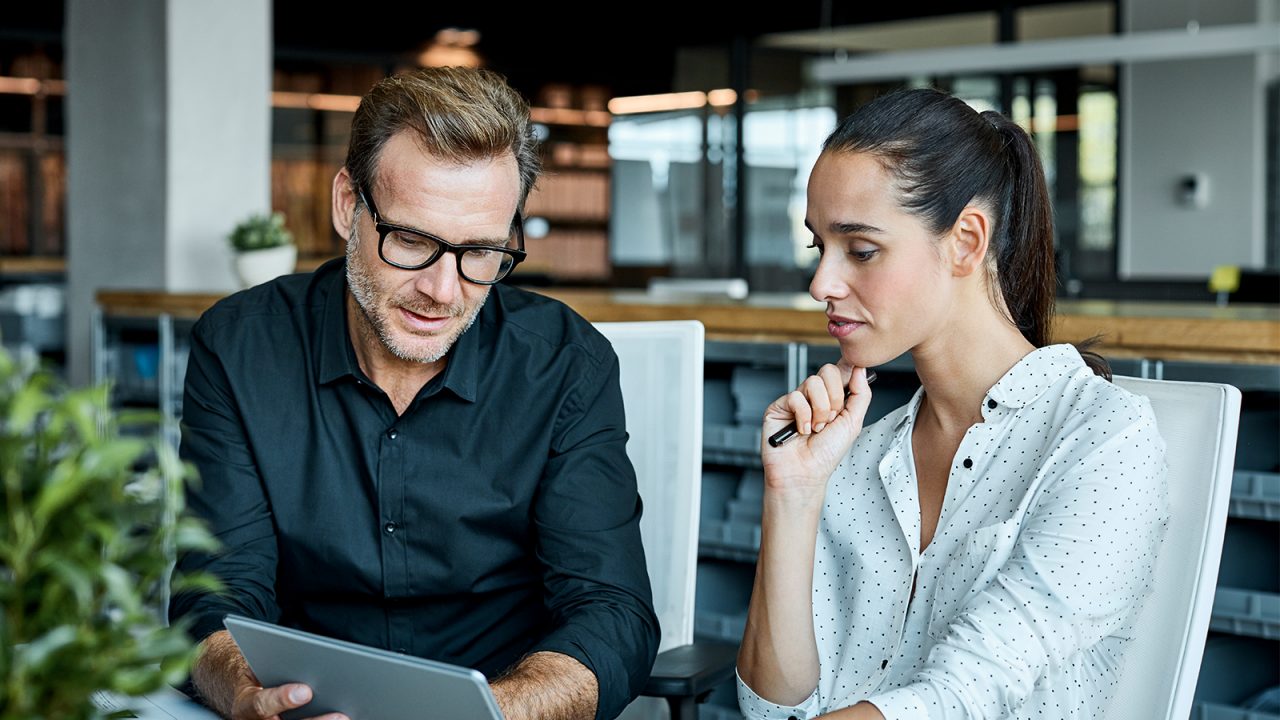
(661,371)
(1198,422)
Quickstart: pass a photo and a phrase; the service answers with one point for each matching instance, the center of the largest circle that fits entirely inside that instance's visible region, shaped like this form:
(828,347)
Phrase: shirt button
(991,404)
(393,433)
(390,528)
(968,462)
(884,664)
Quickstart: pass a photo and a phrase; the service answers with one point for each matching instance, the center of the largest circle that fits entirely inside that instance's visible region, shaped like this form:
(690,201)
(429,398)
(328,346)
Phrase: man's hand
(227,685)
(547,686)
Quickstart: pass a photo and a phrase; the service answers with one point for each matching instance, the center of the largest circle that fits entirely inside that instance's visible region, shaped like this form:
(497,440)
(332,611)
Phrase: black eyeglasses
(410,249)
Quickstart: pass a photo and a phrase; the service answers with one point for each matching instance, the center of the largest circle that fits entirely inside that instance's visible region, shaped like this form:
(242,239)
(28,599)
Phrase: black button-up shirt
(496,517)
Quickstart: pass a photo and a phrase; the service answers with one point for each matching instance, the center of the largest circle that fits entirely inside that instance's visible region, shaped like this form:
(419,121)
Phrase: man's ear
(343,204)
(969,241)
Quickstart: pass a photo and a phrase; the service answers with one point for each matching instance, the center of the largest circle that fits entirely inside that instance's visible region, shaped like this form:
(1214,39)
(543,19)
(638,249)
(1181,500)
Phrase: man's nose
(440,281)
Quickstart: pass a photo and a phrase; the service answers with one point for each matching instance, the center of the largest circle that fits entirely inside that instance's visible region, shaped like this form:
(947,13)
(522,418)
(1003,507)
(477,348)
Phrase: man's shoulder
(548,322)
(276,300)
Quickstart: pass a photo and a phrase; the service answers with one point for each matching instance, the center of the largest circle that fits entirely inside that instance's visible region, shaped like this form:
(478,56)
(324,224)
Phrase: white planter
(258,266)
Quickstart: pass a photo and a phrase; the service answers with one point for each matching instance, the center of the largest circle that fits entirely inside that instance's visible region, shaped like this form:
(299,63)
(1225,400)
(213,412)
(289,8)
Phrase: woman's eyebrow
(847,228)
(854,228)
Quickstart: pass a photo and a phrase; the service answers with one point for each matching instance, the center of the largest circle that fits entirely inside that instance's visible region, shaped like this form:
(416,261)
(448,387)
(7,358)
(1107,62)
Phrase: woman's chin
(868,357)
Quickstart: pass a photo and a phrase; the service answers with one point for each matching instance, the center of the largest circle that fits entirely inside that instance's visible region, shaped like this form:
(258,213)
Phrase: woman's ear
(969,241)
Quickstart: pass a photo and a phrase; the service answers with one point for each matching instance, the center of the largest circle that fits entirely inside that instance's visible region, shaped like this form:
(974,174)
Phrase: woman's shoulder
(1090,398)
(1094,421)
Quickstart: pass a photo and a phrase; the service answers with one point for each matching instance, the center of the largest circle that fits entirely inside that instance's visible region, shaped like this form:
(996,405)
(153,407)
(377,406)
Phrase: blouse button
(991,404)
(968,462)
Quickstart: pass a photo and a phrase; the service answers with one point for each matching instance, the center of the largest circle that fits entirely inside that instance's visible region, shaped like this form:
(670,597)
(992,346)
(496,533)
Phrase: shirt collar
(1025,381)
(336,357)
(1034,374)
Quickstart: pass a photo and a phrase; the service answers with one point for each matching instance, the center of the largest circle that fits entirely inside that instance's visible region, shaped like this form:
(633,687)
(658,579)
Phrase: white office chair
(661,377)
(1198,422)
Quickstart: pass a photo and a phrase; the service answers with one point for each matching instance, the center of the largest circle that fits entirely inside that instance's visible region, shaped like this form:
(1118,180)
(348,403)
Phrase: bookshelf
(33,169)
(311,118)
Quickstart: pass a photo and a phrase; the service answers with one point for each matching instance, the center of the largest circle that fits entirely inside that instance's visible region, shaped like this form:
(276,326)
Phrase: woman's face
(880,273)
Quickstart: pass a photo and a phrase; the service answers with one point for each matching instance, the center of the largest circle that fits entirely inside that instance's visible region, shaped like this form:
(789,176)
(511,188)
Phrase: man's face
(417,315)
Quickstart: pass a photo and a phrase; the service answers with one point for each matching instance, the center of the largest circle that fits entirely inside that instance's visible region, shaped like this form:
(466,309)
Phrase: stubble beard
(367,293)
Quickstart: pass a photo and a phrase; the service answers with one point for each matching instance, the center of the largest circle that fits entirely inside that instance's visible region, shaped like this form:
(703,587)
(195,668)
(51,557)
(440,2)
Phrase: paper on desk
(163,704)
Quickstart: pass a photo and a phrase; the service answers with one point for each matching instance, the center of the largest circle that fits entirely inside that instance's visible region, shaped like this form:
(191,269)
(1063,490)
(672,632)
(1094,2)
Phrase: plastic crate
(735,445)
(739,537)
(1246,612)
(753,389)
(1249,556)
(1234,671)
(1255,495)
(1214,711)
(717,402)
(724,627)
(719,487)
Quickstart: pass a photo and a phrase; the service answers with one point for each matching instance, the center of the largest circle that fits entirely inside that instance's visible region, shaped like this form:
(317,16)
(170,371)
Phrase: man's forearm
(220,671)
(548,686)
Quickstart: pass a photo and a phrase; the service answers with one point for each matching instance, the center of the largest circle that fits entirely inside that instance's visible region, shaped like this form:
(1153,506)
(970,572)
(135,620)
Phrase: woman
(980,552)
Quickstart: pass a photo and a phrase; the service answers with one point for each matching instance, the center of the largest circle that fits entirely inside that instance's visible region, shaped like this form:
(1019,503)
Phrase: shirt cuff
(757,708)
(899,704)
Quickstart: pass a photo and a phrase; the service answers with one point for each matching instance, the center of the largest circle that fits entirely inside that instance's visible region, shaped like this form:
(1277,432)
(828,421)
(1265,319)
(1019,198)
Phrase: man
(396,451)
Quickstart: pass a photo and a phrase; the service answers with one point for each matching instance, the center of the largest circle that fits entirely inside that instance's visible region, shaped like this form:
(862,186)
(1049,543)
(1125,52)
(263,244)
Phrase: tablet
(360,681)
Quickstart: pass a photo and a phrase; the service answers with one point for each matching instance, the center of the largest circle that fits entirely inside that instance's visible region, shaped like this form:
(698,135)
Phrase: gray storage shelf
(1255,495)
(729,540)
(1214,711)
(1246,612)
(727,627)
(731,445)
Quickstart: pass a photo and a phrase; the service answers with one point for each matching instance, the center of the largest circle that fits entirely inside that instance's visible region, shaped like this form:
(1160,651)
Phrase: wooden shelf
(1247,335)
(32,265)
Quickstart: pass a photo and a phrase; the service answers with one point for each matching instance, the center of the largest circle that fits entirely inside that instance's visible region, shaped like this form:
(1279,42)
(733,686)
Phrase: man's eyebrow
(478,242)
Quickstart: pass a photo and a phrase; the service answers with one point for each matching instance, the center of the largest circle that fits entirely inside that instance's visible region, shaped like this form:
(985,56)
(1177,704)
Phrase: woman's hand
(827,422)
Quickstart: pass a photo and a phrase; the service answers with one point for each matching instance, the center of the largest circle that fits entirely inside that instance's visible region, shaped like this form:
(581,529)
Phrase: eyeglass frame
(385,228)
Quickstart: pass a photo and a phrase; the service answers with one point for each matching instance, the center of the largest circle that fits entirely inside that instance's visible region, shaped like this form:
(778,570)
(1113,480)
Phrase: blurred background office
(136,134)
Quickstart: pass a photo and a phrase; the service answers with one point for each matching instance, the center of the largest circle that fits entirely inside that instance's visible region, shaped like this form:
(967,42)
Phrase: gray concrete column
(168,146)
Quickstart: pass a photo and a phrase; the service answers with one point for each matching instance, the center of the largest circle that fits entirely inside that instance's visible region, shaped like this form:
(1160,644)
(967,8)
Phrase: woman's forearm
(779,657)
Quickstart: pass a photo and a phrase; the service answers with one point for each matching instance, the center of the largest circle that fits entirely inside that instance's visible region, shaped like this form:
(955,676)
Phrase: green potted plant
(264,249)
(92,519)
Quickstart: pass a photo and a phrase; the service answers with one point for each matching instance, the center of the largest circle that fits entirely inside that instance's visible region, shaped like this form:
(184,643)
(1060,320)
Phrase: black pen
(788,432)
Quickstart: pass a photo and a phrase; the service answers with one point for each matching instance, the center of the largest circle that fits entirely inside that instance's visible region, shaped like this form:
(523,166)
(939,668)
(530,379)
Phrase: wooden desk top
(1248,334)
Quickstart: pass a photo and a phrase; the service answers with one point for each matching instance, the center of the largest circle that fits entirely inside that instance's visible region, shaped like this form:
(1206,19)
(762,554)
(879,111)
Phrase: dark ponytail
(945,155)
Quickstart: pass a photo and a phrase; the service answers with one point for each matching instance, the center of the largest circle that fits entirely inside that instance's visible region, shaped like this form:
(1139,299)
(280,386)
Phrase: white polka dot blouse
(1054,510)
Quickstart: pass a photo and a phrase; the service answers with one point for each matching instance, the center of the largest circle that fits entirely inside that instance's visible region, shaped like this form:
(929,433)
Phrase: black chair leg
(683,708)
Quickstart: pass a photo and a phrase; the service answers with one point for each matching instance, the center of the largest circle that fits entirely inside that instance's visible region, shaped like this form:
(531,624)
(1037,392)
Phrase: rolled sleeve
(1083,562)
(229,496)
(587,516)
(755,707)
